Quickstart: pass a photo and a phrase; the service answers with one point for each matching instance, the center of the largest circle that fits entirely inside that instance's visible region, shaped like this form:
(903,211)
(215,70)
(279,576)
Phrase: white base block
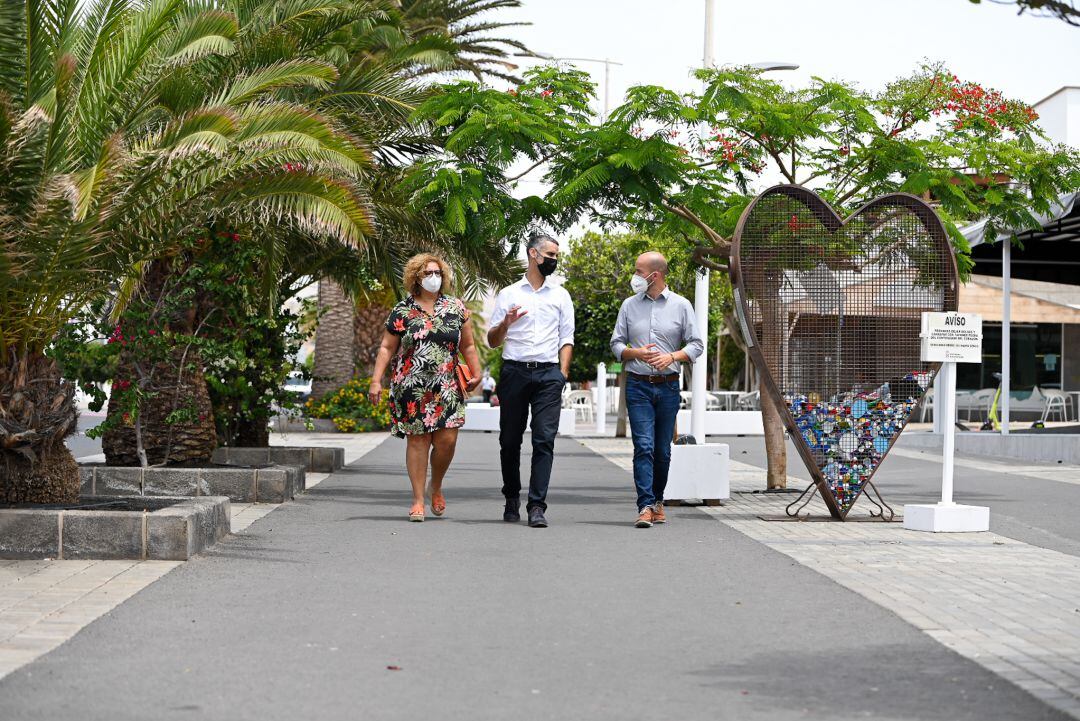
(699,472)
(725,423)
(484,417)
(946,518)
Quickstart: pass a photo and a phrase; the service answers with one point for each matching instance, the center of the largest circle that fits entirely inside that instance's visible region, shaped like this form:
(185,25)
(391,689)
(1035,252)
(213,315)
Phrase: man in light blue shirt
(654,334)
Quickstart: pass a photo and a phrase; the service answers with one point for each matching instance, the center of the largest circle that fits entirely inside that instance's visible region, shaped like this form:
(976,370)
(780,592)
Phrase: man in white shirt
(487,385)
(533,321)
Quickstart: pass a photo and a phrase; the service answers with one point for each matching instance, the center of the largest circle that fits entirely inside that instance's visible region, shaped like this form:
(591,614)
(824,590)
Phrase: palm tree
(107,155)
(427,37)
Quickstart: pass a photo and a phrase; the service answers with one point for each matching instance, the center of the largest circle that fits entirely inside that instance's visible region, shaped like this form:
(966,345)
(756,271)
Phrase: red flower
(399,325)
(411,406)
(793,224)
(152,332)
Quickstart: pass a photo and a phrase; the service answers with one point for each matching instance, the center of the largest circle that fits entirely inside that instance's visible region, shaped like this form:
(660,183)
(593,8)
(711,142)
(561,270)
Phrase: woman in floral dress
(424,334)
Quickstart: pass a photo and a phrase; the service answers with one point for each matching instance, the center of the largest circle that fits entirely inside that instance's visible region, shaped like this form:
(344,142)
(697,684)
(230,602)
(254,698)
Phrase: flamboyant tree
(688,163)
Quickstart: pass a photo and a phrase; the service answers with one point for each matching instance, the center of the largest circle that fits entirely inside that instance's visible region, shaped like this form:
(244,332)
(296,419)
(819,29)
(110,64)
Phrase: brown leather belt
(655,379)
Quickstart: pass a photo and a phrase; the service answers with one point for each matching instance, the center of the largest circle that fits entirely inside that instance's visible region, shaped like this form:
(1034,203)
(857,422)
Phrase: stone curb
(271,484)
(173,533)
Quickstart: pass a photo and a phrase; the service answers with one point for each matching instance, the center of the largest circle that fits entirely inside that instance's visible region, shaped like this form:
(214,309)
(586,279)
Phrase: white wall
(1059,116)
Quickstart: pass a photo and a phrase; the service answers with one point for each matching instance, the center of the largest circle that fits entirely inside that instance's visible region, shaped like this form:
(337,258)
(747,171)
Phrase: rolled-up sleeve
(693,346)
(621,335)
(566,321)
(499,312)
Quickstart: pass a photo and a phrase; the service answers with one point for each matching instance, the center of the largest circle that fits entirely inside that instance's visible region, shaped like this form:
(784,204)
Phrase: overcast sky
(865,41)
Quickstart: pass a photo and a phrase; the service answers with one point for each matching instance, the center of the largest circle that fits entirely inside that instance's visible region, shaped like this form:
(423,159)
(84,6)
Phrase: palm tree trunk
(334,338)
(37,412)
(175,424)
(172,388)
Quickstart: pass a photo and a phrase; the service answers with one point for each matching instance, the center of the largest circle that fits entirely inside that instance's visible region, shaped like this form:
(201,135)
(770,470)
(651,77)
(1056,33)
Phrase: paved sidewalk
(43,603)
(1012,607)
(335,607)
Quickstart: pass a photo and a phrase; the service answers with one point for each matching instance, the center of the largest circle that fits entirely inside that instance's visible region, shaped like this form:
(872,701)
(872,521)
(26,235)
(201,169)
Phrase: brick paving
(1011,607)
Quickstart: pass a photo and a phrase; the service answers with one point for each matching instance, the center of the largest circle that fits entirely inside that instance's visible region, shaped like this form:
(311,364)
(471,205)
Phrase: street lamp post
(607,74)
(699,401)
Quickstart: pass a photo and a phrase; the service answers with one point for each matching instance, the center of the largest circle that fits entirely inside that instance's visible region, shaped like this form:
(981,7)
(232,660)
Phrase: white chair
(980,401)
(582,403)
(749,401)
(713,403)
(1056,403)
(687,399)
(927,407)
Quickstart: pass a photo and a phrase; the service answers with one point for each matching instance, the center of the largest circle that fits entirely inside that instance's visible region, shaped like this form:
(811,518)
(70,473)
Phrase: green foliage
(350,408)
(687,164)
(598,267)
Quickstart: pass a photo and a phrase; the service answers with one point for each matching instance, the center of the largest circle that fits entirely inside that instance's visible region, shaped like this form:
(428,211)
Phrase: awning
(1062,222)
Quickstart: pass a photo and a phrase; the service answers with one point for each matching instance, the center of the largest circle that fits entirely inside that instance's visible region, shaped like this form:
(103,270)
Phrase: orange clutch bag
(463,378)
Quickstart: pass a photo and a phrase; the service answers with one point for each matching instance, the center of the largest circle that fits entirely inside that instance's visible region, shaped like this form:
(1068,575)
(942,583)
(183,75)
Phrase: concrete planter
(167,529)
(267,484)
(313,459)
(297,425)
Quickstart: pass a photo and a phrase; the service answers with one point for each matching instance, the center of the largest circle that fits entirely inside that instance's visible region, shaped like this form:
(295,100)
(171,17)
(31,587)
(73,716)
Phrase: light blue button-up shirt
(667,321)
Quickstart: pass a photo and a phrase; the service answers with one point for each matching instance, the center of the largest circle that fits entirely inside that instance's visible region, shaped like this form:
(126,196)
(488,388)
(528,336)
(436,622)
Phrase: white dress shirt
(544,329)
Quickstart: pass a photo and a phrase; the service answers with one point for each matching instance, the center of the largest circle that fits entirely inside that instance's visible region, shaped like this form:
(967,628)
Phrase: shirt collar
(525,282)
(663,294)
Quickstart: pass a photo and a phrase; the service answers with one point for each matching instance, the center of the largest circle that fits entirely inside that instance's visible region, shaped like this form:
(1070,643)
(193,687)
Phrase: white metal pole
(710,8)
(1006,331)
(601,399)
(939,406)
(946,403)
(607,87)
(701,289)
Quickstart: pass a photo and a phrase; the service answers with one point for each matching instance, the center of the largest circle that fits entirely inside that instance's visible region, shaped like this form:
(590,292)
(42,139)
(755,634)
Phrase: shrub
(350,409)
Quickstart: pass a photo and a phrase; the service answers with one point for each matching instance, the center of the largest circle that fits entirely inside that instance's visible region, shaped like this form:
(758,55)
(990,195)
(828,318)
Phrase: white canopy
(975,233)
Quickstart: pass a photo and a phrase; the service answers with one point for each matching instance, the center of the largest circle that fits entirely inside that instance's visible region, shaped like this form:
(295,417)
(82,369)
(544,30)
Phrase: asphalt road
(1041,512)
(335,607)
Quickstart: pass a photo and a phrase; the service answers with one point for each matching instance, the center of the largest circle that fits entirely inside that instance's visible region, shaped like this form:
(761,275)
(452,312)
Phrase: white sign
(954,337)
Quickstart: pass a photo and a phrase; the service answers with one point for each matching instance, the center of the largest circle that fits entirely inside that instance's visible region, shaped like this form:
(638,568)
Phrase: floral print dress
(424,393)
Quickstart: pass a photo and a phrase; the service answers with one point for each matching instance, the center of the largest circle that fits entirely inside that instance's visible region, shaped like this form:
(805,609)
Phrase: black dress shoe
(511,514)
(536,518)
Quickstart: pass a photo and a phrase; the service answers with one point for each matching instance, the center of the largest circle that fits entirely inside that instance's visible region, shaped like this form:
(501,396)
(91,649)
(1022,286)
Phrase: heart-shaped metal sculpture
(830,310)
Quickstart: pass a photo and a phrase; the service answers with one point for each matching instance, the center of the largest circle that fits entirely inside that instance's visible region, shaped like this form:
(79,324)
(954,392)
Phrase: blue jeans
(652,409)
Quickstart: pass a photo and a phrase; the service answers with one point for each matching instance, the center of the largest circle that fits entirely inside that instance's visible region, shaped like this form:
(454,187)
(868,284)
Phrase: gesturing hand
(375,393)
(514,315)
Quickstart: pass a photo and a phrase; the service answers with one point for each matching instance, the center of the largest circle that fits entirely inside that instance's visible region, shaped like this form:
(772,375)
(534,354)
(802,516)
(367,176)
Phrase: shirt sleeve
(621,335)
(395,322)
(694,345)
(500,309)
(566,321)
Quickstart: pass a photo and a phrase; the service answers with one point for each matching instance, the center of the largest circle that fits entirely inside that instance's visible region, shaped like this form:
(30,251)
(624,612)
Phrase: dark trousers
(520,389)
(652,409)
(487,396)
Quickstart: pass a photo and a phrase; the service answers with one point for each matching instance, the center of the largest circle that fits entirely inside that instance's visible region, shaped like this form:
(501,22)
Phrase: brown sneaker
(645,518)
(658,513)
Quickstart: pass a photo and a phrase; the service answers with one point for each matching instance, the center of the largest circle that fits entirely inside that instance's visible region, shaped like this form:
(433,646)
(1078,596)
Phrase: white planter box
(483,417)
(699,472)
(725,423)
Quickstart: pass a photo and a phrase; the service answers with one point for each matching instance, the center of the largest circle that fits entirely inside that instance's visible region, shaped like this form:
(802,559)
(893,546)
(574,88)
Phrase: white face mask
(638,284)
(432,283)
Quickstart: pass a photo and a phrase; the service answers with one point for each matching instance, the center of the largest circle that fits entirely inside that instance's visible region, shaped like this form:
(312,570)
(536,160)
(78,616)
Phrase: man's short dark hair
(537,239)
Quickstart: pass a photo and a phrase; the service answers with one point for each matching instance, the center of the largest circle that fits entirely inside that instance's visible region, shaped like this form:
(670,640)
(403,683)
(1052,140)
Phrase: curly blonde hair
(414,273)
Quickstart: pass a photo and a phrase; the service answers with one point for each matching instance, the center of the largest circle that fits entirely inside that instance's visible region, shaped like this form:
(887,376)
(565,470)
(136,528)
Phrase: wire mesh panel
(830,310)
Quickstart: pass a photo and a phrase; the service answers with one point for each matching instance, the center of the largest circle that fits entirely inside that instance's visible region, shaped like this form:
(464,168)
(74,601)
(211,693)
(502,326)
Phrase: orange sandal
(438,503)
(416,513)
